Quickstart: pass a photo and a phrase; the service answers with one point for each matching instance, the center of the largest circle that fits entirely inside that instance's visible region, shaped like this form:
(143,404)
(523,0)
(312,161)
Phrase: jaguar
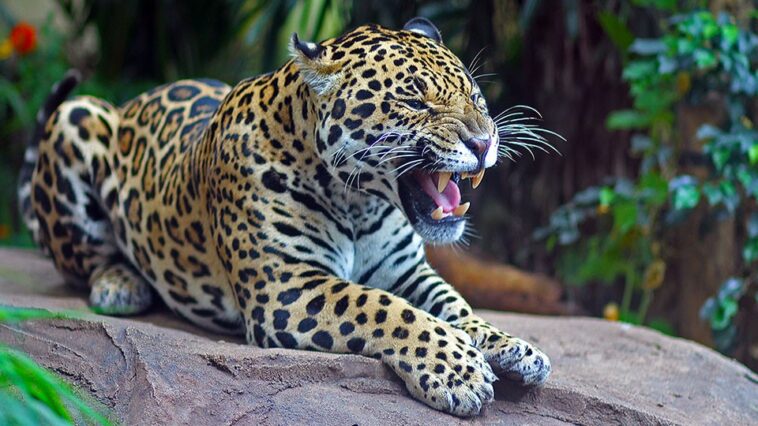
(292,208)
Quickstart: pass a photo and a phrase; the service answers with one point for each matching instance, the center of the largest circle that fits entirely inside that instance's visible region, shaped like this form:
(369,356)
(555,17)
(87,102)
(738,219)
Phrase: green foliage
(616,232)
(313,20)
(30,394)
(25,82)
(228,40)
(721,310)
(10,314)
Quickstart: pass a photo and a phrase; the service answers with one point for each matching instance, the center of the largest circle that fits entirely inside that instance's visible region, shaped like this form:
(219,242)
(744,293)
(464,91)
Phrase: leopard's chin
(436,215)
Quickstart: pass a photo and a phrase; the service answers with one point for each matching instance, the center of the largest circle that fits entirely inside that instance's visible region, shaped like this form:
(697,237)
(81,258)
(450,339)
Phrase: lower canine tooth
(462,209)
(476,180)
(437,214)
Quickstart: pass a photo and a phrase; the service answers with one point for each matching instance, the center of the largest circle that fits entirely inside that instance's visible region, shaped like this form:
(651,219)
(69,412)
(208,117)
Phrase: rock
(155,369)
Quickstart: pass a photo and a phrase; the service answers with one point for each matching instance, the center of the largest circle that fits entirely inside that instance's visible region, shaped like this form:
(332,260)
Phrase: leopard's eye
(478,100)
(415,104)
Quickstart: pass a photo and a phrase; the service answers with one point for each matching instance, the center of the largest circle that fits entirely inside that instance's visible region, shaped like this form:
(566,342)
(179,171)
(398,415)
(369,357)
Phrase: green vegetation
(698,57)
(32,395)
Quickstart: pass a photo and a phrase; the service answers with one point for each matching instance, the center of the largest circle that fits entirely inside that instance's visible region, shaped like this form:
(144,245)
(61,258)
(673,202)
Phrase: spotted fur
(263,209)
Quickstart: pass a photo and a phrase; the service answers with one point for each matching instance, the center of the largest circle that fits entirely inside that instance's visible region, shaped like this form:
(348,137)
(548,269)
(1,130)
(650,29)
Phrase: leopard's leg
(70,183)
(509,356)
(117,289)
(313,310)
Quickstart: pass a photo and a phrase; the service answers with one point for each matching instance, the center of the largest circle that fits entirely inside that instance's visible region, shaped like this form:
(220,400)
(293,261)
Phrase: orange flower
(23,37)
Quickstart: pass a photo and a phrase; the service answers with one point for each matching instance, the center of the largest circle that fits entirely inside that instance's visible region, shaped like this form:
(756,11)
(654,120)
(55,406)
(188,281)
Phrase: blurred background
(648,215)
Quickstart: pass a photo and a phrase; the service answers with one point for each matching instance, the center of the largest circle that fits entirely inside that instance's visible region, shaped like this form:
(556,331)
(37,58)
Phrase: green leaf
(712,193)
(704,58)
(629,318)
(13,97)
(724,313)
(685,46)
(625,215)
(639,69)
(627,119)
(686,198)
(720,157)
(616,30)
(654,102)
(729,35)
(43,392)
(14,314)
(710,28)
(551,242)
(654,187)
(606,196)
(708,309)
(662,325)
(685,192)
(750,251)
(731,198)
(752,154)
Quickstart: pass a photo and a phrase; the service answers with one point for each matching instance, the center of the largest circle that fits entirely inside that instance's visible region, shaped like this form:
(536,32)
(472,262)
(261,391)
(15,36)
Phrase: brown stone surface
(155,369)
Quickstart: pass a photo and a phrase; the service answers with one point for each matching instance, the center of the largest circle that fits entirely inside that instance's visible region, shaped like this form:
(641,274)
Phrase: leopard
(291,208)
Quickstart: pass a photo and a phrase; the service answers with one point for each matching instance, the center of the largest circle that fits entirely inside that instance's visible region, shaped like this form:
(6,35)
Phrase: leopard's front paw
(516,359)
(445,373)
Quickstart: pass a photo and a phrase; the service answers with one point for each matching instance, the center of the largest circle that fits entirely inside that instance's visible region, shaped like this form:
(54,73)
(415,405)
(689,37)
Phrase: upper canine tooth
(443,179)
(462,209)
(437,213)
(476,180)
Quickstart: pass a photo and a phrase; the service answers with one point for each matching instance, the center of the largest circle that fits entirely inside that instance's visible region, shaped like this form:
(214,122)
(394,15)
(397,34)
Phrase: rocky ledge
(154,369)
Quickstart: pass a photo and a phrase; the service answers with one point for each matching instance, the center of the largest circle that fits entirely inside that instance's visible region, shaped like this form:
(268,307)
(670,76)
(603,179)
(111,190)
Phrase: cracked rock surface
(155,369)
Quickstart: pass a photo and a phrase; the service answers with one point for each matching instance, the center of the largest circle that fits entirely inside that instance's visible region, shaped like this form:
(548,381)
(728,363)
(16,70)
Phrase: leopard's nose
(479,147)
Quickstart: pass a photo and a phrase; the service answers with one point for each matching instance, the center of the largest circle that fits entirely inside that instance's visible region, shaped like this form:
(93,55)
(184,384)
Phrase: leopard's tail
(58,94)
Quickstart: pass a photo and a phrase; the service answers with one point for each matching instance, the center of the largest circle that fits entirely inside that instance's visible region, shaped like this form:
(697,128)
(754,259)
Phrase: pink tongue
(448,199)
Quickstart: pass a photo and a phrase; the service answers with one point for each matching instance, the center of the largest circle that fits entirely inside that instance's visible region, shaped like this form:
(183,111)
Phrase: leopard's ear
(308,49)
(320,73)
(424,27)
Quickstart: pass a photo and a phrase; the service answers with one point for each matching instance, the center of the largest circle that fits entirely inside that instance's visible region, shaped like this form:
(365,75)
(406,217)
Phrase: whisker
(405,167)
(474,62)
(476,77)
(518,120)
(396,157)
(541,142)
(502,118)
(528,132)
(524,107)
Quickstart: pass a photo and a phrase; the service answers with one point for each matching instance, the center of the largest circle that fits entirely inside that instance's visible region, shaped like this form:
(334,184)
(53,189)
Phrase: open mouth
(434,199)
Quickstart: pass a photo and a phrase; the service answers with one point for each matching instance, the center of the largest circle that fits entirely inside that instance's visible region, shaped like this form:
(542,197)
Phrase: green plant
(720,311)
(228,40)
(698,55)
(32,395)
